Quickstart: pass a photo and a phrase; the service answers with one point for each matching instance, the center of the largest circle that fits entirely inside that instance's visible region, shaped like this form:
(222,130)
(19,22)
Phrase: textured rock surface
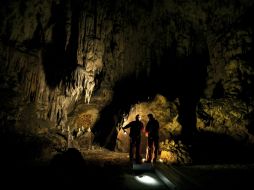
(68,64)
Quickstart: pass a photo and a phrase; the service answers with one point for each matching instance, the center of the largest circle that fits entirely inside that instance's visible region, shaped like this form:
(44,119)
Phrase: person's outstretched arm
(126,126)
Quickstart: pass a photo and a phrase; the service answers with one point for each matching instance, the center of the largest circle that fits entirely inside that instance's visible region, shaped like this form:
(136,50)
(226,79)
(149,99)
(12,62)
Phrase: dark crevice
(59,62)
(212,148)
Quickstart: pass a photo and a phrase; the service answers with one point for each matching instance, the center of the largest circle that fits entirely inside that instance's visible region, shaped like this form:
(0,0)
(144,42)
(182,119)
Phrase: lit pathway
(145,176)
(124,175)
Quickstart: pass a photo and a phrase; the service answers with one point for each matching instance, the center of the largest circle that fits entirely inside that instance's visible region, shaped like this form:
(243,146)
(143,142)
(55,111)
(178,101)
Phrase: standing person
(135,138)
(152,131)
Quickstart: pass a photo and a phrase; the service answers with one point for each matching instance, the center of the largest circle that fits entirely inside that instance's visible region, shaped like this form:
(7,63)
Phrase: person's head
(150,116)
(138,117)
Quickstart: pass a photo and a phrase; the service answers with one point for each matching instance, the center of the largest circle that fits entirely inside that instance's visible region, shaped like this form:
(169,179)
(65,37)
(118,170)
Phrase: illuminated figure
(152,131)
(135,138)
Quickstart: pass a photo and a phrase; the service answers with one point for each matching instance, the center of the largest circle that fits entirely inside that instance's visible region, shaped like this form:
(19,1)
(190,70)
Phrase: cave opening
(175,77)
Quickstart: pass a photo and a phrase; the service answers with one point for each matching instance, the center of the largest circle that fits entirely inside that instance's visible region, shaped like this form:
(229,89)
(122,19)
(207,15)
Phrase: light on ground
(146,179)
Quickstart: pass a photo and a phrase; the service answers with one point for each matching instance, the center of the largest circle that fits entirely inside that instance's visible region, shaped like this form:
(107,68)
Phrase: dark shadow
(250,118)
(18,149)
(193,83)
(218,91)
(184,77)
(59,57)
(243,24)
(212,148)
(70,169)
(67,166)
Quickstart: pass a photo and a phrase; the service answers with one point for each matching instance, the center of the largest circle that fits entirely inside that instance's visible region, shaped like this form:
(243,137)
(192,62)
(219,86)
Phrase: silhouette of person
(135,138)
(152,132)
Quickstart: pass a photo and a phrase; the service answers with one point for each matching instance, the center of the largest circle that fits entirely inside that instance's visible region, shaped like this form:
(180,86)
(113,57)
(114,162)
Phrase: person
(152,132)
(136,128)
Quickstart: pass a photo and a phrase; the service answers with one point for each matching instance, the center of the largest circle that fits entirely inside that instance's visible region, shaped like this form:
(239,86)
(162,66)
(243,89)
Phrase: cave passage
(174,77)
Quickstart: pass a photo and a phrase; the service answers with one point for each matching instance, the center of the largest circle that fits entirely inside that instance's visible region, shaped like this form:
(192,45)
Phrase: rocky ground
(100,167)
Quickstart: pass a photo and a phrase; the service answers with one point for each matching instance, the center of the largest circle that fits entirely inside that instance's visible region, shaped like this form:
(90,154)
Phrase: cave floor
(192,176)
(101,168)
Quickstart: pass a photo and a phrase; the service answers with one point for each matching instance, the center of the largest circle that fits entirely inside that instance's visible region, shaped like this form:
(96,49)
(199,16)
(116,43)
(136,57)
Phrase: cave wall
(56,55)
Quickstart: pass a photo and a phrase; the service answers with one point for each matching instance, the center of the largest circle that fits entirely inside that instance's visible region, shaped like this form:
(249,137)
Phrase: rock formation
(72,64)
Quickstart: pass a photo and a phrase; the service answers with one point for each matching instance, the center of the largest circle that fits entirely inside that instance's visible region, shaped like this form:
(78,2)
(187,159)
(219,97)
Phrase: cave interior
(73,73)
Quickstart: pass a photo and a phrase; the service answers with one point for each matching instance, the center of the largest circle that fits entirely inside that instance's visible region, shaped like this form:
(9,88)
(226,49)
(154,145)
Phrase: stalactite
(68,23)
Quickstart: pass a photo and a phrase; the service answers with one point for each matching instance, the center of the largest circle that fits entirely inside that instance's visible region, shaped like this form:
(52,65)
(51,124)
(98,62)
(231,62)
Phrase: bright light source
(160,160)
(147,180)
(143,159)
